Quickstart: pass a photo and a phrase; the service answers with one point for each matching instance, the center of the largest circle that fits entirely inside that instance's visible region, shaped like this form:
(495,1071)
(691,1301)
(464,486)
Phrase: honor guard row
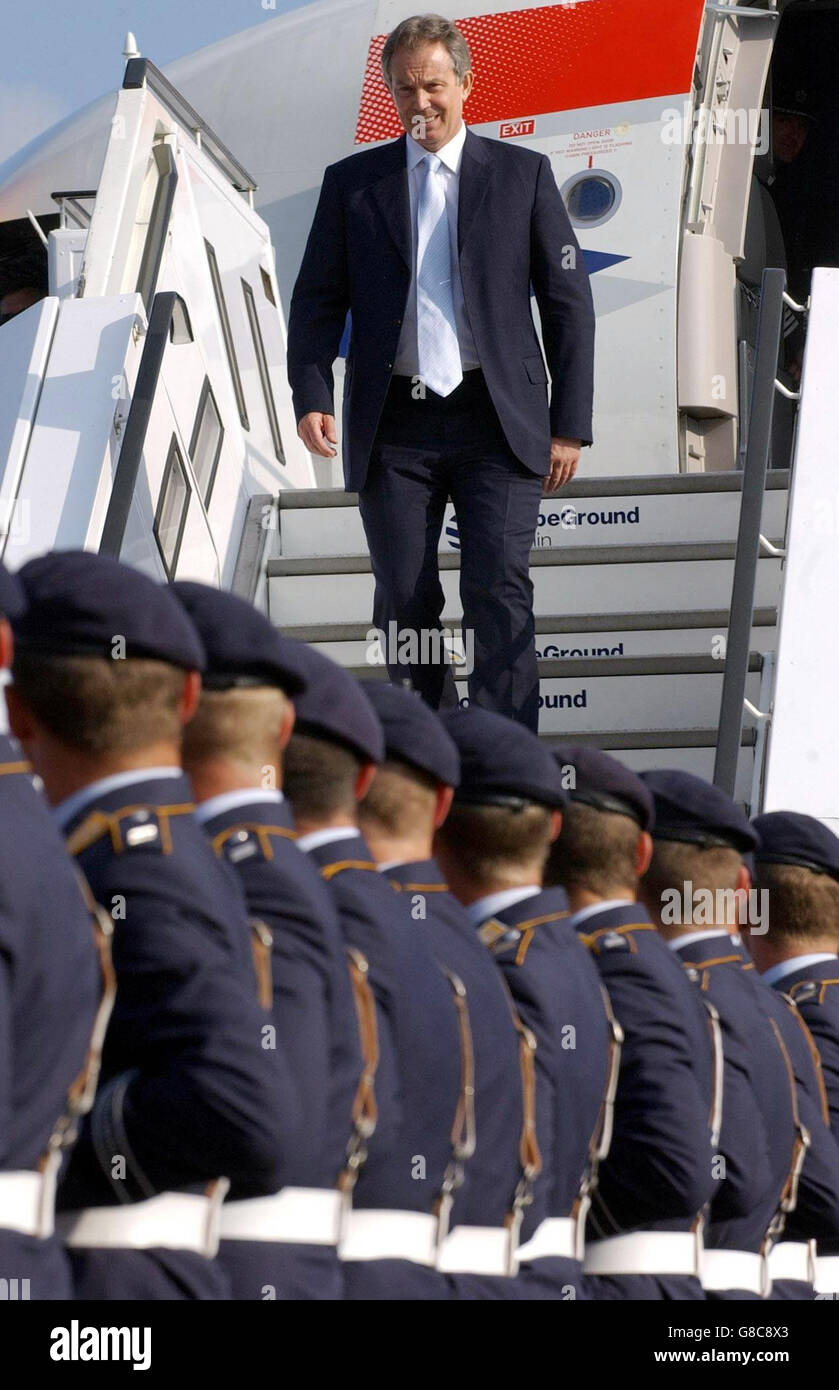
(310,992)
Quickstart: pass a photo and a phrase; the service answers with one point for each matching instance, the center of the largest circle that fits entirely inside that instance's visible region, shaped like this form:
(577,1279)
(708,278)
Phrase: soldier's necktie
(437,346)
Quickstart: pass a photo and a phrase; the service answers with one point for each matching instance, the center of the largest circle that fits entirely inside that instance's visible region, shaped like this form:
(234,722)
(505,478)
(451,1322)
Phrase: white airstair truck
(683,588)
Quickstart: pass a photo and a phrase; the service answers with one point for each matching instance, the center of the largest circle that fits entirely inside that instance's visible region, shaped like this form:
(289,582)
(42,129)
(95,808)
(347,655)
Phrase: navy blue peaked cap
(501,762)
(78,603)
(414,733)
(334,706)
(790,837)
(243,647)
(604,783)
(693,811)
(12,602)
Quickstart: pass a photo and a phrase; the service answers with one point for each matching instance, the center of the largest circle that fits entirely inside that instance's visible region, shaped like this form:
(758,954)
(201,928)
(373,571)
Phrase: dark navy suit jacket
(513,233)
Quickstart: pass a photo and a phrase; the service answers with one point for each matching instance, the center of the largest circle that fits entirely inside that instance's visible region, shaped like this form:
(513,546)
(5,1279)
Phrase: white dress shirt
(406,363)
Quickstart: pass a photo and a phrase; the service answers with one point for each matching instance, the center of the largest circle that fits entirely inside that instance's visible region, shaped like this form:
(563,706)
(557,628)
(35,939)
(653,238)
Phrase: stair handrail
(773,298)
(168,310)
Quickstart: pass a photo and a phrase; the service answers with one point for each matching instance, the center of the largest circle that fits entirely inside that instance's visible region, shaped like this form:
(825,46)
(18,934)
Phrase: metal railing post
(131,454)
(761,415)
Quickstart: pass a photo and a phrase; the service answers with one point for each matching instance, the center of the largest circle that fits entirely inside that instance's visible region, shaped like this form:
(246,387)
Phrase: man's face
(789,135)
(427,94)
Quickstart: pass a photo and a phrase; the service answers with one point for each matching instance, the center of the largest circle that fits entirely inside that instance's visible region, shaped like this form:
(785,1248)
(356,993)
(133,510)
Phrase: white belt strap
(793,1259)
(169,1221)
(646,1252)
(293,1216)
(390,1235)
(27,1200)
(478,1250)
(724,1270)
(556,1236)
(827,1274)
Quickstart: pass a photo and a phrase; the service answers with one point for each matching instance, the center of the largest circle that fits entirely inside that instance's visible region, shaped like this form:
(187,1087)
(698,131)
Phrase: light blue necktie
(438,351)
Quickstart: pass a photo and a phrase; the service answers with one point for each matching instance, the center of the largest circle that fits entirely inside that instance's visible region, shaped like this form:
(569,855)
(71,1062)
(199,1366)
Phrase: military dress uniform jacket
(758,1110)
(658,1175)
(418,1078)
(49,990)
(492,1172)
(304,969)
(557,993)
(814,989)
(187,1093)
(816,1216)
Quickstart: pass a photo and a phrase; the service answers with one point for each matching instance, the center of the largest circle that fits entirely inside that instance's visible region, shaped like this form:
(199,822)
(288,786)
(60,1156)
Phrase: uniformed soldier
(389,1249)
(644,1230)
(696,891)
(49,988)
(105,675)
(812,1197)
(409,798)
(797,869)
(492,850)
(282,1246)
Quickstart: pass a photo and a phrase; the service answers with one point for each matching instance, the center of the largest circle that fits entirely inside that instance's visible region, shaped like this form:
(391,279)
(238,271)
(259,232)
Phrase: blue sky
(57,58)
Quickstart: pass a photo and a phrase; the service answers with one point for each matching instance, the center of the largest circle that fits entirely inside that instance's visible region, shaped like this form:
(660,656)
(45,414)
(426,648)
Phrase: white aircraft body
(144,406)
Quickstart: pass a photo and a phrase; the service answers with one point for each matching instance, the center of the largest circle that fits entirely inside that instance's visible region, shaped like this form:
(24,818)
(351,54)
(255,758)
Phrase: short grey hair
(427,28)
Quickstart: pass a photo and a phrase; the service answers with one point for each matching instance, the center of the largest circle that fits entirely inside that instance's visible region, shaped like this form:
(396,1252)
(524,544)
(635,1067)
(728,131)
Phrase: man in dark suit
(433,242)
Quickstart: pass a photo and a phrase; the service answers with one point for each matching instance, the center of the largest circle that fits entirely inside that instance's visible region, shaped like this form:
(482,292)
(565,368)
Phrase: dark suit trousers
(425,452)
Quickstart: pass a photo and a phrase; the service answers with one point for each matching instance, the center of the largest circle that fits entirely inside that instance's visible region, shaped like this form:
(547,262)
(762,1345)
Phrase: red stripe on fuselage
(558,58)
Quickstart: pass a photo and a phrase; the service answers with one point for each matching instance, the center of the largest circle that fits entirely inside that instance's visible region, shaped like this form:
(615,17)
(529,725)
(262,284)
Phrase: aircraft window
(592,197)
(205,445)
(262,364)
(172,506)
(227,335)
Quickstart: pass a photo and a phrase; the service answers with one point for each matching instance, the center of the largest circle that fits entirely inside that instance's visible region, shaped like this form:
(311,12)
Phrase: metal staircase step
(279,568)
(716,618)
(664,484)
(581,668)
(630,740)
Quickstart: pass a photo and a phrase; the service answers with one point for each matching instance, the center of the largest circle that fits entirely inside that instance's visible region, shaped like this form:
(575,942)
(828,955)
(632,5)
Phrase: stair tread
(642,553)
(643,485)
(626,740)
(564,623)
(571,668)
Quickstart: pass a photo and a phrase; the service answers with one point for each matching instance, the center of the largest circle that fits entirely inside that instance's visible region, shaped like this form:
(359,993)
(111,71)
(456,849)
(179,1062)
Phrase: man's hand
(565,455)
(317,432)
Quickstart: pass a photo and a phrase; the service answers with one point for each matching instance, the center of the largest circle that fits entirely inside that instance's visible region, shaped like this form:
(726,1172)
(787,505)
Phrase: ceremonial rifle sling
(463,1126)
(82,1091)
